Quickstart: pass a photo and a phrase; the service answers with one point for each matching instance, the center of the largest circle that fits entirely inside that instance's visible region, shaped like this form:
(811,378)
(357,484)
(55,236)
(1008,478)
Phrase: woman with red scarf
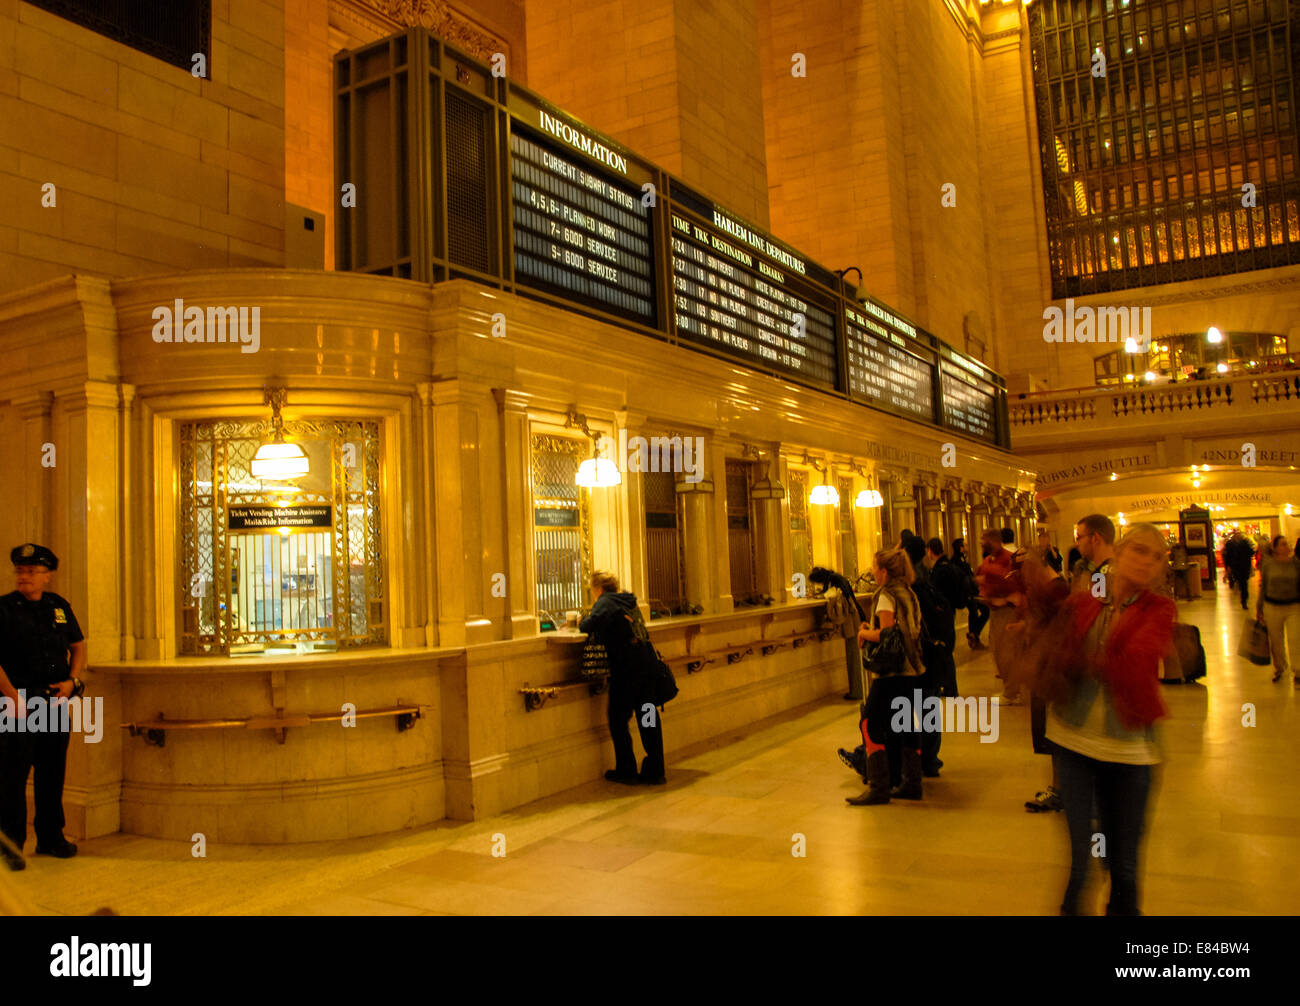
(1105,701)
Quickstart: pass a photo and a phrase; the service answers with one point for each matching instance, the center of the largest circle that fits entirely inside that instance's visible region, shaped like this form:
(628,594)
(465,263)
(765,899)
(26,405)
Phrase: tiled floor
(1224,835)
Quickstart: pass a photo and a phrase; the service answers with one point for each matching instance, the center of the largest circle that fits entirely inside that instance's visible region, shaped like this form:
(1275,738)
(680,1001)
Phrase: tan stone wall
(859,150)
(676,82)
(155,169)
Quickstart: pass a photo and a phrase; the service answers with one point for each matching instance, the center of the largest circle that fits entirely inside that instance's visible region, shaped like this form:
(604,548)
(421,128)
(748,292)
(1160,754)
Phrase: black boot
(877,790)
(910,787)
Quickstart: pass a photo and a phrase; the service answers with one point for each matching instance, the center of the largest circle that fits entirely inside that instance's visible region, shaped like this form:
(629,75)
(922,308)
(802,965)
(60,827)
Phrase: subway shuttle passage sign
(887,369)
(241,518)
(733,300)
(579,233)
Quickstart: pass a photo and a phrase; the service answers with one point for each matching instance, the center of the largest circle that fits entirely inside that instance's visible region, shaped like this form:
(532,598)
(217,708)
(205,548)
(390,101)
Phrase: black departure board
(887,368)
(728,298)
(969,401)
(580,233)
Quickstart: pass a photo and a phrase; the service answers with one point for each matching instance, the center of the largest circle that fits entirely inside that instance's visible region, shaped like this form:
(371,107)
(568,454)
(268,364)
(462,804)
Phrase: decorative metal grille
(847,533)
(663,542)
(561,523)
(172,32)
(740,534)
(1144,166)
(244,589)
(468,124)
(800,534)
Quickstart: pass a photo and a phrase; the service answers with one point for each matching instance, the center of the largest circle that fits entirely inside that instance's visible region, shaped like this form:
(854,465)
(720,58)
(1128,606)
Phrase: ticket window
(846,530)
(801,546)
(562,523)
(665,542)
(740,532)
(268,567)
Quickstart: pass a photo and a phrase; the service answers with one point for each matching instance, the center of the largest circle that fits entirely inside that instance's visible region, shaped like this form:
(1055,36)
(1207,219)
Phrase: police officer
(42,653)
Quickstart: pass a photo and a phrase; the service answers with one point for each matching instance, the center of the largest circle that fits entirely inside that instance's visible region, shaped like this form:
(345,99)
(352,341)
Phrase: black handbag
(889,656)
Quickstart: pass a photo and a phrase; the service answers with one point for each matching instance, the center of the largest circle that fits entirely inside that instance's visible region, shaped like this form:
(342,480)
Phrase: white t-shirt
(884,603)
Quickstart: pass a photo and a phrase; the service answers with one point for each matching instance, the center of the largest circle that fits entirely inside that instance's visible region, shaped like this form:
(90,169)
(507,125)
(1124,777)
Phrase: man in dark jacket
(1238,554)
(610,624)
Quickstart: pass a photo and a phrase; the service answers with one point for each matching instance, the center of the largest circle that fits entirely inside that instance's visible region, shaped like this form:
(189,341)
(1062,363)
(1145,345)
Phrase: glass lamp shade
(279,461)
(598,473)
(824,496)
(868,499)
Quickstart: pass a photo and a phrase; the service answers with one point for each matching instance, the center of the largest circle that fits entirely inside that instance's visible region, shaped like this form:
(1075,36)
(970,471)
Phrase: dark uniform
(35,641)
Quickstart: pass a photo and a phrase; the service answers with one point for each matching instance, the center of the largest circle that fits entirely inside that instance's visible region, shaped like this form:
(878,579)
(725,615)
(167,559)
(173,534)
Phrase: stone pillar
(932,508)
(464,504)
(698,503)
(901,504)
(84,529)
(979,519)
(37,470)
(956,514)
(771,547)
(721,598)
(519,608)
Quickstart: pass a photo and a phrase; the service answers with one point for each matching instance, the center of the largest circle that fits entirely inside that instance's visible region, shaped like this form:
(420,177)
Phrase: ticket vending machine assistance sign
(257,516)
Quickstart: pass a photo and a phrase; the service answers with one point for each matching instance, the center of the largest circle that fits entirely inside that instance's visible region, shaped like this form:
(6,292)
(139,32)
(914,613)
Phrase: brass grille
(847,534)
(468,219)
(561,523)
(800,535)
(244,589)
(740,535)
(663,541)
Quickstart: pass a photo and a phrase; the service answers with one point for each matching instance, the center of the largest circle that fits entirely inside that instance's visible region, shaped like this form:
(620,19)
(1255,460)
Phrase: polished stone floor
(1224,835)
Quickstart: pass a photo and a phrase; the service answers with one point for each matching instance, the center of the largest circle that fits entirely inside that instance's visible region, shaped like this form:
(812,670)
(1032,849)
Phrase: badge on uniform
(60,617)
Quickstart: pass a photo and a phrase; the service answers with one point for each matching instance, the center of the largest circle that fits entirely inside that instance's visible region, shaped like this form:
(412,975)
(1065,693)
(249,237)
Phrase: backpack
(656,676)
(937,614)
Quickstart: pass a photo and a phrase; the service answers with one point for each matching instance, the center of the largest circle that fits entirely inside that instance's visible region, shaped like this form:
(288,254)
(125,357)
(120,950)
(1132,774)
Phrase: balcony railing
(1217,395)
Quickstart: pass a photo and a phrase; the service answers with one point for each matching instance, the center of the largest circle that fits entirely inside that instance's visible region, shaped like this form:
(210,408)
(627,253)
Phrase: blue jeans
(1121,793)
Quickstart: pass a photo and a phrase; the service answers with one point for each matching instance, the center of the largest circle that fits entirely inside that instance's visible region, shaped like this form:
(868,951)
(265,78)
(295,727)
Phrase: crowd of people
(1083,638)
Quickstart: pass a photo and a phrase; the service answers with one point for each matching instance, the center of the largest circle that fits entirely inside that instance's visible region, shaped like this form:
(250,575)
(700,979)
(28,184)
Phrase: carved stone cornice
(440,17)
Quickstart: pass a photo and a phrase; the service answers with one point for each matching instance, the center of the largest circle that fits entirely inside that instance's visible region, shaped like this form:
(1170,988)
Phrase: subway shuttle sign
(1118,464)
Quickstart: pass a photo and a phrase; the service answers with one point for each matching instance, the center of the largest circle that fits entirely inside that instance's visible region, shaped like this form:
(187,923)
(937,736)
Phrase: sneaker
(1048,799)
(62,849)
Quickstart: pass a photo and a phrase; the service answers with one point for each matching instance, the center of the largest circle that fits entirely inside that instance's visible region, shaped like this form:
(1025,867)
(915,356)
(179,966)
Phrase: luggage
(1186,660)
(1254,642)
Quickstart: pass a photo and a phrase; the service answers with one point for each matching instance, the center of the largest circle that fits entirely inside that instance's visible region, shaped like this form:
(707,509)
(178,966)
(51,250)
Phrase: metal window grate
(172,32)
(740,534)
(1144,167)
(468,216)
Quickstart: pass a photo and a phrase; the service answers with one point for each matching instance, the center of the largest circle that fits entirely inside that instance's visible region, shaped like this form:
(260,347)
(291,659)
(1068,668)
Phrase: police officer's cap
(34,555)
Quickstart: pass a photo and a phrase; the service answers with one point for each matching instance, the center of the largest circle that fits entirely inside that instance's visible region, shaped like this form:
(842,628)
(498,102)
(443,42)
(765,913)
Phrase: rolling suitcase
(1188,653)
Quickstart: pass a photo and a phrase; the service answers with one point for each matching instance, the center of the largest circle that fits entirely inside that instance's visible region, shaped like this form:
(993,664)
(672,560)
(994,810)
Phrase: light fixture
(766,488)
(1123,521)
(1131,346)
(1222,368)
(824,494)
(598,473)
(1214,335)
(277,458)
(1149,377)
(595,472)
(1113,476)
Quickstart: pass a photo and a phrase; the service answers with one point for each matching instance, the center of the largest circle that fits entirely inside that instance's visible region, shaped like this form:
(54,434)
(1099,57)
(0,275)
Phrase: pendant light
(277,458)
(596,472)
(824,494)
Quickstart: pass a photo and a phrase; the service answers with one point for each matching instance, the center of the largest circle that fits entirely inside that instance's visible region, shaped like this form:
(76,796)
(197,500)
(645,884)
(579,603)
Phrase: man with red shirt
(998,580)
